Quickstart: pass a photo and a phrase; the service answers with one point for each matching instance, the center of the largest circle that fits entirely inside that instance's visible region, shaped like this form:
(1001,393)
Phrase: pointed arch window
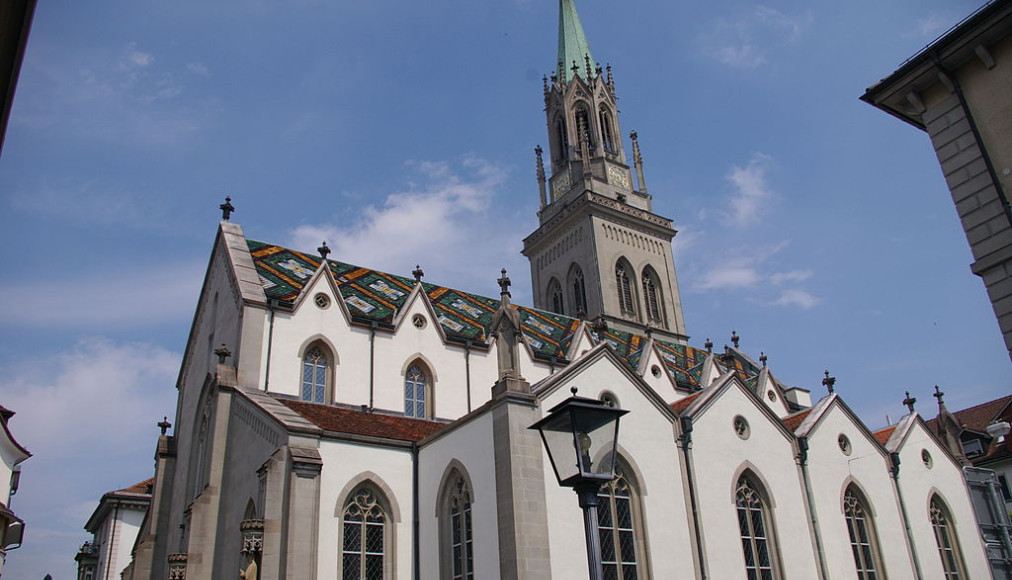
(583,124)
(555,296)
(579,292)
(756,530)
(945,539)
(364,537)
(561,138)
(607,134)
(417,395)
(316,375)
(651,296)
(458,543)
(861,530)
(620,529)
(625,292)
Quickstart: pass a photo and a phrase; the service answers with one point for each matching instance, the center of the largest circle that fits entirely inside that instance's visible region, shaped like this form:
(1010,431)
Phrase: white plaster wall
(917,482)
(830,472)
(646,440)
(471,444)
(344,462)
(717,455)
(8,456)
(129,526)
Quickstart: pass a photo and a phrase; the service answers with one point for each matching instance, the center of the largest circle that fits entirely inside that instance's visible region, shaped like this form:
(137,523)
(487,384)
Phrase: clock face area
(618,176)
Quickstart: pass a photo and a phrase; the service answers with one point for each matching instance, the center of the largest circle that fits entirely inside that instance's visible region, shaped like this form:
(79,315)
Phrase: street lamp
(581,435)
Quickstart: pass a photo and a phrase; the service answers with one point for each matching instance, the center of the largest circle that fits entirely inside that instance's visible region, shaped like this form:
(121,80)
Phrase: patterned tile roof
(743,367)
(354,422)
(376,296)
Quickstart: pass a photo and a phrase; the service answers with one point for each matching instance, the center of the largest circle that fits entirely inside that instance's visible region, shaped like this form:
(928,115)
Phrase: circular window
(772,396)
(418,320)
(656,371)
(321,300)
(926,458)
(844,444)
(741,427)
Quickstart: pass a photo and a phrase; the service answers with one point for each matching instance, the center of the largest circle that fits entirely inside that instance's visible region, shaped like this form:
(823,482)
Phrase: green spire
(573,44)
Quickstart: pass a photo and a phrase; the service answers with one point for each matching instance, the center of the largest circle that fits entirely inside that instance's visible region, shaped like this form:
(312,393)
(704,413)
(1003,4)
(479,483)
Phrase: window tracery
(756,531)
(364,531)
(315,374)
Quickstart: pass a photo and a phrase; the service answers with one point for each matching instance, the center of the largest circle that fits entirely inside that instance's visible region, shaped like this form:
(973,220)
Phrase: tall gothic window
(561,138)
(315,371)
(607,137)
(555,296)
(625,293)
(756,531)
(579,292)
(416,387)
(583,124)
(617,524)
(459,543)
(651,296)
(945,538)
(862,535)
(364,546)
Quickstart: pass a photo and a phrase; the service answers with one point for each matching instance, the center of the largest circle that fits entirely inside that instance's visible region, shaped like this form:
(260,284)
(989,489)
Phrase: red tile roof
(883,435)
(976,418)
(681,405)
(794,421)
(354,422)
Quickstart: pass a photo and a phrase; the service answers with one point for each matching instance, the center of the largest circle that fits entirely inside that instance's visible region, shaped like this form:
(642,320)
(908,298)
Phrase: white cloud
(440,224)
(111,299)
(134,58)
(751,191)
(930,25)
(744,41)
(198,68)
(796,297)
(729,276)
(88,416)
(794,276)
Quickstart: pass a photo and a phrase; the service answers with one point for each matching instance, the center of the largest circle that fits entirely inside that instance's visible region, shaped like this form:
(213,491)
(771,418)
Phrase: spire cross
(164,424)
(762,358)
(830,383)
(938,395)
(417,273)
(909,402)
(226,208)
(735,338)
(323,250)
(504,284)
(708,345)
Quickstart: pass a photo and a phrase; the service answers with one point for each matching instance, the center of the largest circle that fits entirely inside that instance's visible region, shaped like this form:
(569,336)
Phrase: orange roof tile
(142,488)
(976,418)
(681,405)
(883,435)
(342,420)
(794,421)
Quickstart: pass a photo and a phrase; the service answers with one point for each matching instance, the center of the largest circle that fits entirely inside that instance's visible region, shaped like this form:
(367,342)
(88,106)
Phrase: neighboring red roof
(143,487)
(883,435)
(794,421)
(355,422)
(976,418)
(681,405)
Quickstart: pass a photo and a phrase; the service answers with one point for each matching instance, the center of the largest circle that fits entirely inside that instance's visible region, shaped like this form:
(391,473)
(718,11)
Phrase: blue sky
(817,227)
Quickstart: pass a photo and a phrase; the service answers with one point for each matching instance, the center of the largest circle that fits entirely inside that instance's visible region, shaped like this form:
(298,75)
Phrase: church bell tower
(599,253)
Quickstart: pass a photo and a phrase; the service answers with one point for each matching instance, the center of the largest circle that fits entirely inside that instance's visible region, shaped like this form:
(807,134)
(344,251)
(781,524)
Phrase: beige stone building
(959,90)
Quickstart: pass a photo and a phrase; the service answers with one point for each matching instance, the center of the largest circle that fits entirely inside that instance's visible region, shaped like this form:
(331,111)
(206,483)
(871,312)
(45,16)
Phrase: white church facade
(335,421)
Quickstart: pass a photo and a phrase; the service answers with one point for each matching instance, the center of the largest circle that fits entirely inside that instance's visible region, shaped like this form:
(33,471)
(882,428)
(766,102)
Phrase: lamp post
(581,435)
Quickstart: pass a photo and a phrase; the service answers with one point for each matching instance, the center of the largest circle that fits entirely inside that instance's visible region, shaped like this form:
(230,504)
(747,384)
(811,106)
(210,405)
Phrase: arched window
(625,292)
(583,124)
(607,135)
(364,537)
(555,296)
(619,528)
(417,396)
(755,526)
(316,375)
(651,296)
(579,291)
(561,138)
(945,538)
(861,530)
(458,545)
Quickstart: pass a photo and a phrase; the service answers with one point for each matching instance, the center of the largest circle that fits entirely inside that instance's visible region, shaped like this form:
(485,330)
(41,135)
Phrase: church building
(334,421)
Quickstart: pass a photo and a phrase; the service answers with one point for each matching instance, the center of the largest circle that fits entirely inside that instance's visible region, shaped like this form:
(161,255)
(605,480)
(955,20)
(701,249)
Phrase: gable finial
(586,59)
(226,208)
(708,345)
(504,285)
(830,383)
(222,353)
(909,401)
(938,395)
(417,273)
(540,171)
(323,250)
(638,162)
(164,424)
(762,358)
(735,339)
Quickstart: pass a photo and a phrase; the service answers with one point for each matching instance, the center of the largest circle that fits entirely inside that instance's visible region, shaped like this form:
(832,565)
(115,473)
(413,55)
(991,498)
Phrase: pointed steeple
(573,45)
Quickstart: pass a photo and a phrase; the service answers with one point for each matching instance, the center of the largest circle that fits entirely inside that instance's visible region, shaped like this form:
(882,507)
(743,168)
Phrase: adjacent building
(12,528)
(114,525)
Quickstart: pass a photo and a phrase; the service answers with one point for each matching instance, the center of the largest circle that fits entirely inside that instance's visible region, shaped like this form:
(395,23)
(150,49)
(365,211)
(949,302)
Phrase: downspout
(272,304)
(372,362)
(686,447)
(415,541)
(958,89)
(803,462)
(894,472)
(467,372)
(112,538)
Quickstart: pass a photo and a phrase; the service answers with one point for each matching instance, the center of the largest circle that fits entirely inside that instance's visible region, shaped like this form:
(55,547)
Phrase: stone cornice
(588,202)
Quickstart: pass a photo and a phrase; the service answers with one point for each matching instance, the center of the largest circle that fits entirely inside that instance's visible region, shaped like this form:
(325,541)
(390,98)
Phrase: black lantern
(581,436)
